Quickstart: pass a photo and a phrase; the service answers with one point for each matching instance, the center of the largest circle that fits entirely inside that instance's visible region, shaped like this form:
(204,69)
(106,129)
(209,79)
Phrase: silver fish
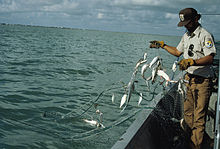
(174,66)
(129,90)
(143,69)
(154,61)
(149,78)
(130,87)
(91,122)
(144,61)
(154,71)
(154,74)
(161,73)
(145,56)
(138,64)
(141,61)
(113,98)
(94,123)
(123,100)
(140,99)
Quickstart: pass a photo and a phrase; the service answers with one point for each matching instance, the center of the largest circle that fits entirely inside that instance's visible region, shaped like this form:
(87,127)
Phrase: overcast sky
(139,16)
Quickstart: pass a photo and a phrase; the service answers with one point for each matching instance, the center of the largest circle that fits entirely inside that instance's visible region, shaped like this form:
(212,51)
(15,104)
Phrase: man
(197,47)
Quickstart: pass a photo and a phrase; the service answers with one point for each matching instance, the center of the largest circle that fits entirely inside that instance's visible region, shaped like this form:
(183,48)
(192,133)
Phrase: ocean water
(52,79)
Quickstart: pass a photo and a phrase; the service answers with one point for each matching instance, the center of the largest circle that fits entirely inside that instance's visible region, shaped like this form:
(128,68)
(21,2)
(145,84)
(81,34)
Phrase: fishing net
(168,110)
(166,116)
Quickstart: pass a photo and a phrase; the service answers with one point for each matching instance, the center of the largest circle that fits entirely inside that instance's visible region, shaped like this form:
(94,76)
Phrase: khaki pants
(196,106)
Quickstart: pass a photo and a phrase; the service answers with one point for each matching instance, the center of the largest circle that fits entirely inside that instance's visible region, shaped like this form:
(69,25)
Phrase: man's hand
(185,63)
(156,44)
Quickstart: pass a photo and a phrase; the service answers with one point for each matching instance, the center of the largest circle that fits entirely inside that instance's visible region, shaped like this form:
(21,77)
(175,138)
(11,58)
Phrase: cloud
(65,5)
(8,6)
(114,15)
(171,16)
(148,2)
(37,5)
(100,15)
(139,2)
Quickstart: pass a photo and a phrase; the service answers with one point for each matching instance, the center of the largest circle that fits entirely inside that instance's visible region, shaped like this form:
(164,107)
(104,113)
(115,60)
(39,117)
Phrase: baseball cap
(186,15)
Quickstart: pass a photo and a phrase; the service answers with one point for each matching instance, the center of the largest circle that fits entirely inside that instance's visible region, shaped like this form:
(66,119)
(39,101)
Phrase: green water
(50,76)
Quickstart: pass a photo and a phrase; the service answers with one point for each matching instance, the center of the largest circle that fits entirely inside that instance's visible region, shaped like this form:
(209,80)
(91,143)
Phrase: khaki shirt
(197,45)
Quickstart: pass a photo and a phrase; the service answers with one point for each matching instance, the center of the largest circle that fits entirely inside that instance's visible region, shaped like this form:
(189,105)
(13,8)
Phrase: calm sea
(52,79)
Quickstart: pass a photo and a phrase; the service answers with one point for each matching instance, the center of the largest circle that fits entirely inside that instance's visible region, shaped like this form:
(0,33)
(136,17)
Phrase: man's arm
(207,60)
(172,50)
(161,44)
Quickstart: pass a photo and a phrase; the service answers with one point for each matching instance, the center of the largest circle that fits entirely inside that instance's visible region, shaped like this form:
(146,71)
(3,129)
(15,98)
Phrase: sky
(137,16)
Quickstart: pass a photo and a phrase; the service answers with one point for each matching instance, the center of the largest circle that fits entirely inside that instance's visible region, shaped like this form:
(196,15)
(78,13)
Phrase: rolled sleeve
(180,46)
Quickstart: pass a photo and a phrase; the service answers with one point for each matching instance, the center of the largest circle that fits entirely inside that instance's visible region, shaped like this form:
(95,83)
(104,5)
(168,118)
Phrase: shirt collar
(196,32)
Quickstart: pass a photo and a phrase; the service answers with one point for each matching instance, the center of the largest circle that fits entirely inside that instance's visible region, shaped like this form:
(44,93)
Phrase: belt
(196,78)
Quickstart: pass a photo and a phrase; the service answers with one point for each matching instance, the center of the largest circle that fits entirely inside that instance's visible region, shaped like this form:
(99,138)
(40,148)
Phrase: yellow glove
(156,44)
(185,63)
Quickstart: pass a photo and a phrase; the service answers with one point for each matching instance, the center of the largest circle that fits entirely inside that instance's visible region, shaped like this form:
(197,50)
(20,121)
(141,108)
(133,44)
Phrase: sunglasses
(190,51)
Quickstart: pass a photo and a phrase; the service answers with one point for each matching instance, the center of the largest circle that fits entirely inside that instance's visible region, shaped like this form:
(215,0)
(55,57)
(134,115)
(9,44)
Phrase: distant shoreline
(218,40)
(82,29)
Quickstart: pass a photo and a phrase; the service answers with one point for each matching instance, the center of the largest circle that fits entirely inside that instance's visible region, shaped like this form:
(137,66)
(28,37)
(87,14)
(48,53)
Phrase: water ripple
(51,79)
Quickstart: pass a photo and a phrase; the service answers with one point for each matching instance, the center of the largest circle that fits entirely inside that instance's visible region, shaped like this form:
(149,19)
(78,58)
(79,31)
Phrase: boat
(159,128)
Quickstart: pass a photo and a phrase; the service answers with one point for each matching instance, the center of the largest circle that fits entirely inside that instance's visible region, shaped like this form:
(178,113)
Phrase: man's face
(191,26)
